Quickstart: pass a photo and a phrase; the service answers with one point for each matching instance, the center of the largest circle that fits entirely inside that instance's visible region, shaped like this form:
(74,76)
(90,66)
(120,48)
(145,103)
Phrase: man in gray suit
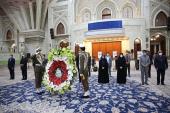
(109,61)
(144,66)
(84,70)
(127,57)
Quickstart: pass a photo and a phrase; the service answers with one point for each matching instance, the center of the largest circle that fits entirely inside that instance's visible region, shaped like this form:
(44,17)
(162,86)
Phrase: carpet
(131,97)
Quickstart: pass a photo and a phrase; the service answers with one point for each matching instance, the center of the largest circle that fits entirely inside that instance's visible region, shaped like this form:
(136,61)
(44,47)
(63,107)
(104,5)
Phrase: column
(38,13)
(142,8)
(50,23)
(44,14)
(31,14)
(71,18)
(21,42)
(16,40)
(23,12)
(168,40)
(167,47)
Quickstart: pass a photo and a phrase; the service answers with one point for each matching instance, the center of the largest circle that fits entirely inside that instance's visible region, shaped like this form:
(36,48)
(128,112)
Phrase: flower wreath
(60,70)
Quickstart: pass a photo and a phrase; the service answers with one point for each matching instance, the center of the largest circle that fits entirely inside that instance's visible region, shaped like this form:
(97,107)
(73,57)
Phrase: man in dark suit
(151,62)
(23,64)
(11,66)
(161,64)
(89,65)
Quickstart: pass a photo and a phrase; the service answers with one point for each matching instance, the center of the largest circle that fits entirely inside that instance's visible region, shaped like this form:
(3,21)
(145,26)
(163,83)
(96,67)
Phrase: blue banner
(105,25)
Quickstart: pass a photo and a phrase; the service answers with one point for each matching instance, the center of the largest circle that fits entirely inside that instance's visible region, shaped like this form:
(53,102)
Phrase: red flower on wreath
(58,65)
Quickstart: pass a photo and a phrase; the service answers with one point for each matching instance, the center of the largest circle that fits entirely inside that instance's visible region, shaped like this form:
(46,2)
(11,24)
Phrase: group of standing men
(39,62)
(160,63)
(83,61)
(23,65)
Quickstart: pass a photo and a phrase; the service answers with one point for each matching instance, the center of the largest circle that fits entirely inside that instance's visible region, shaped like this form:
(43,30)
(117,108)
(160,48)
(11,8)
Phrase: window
(106,13)
(8,35)
(60,29)
(161,19)
(127,12)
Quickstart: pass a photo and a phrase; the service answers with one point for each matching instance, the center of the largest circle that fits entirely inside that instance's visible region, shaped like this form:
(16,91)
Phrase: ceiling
(16,2)
(2,13)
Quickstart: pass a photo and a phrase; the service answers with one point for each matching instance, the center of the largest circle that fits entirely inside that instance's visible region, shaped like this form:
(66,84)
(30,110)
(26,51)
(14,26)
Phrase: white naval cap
(81,45)
(38,49)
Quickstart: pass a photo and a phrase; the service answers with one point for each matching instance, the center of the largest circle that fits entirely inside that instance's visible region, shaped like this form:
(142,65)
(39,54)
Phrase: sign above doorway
(109,24)
(113,27)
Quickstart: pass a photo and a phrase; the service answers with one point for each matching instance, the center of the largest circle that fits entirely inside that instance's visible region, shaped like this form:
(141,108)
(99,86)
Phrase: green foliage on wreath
(62,53)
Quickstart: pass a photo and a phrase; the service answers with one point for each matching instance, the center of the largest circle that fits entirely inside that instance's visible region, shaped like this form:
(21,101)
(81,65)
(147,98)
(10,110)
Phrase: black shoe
(157,83)
(162,84)
(42,91)
(146,83)
(85,96)
(39,93)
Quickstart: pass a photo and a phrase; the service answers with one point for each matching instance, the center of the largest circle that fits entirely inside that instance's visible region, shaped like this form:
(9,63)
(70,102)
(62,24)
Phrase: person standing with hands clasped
(144,66)
(161,64)
(121,69)
(109,61)
(38,60)
(83,70)
(11,67)
(103,76)
(127,57)
(23,65)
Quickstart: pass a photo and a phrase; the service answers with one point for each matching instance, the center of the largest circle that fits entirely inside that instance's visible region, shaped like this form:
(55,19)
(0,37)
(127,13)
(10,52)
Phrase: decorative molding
(159,30)
(34,35)
(82,15)
(108,4)
(105,32)
(59,15)
(61,35)
(60,8)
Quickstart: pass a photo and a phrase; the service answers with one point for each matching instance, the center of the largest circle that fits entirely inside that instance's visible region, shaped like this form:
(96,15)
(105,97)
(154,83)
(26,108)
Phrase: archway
(137,47)
(60,29)
(9,41)
(161,19)
(106,13)
(8,35)
(157,42)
